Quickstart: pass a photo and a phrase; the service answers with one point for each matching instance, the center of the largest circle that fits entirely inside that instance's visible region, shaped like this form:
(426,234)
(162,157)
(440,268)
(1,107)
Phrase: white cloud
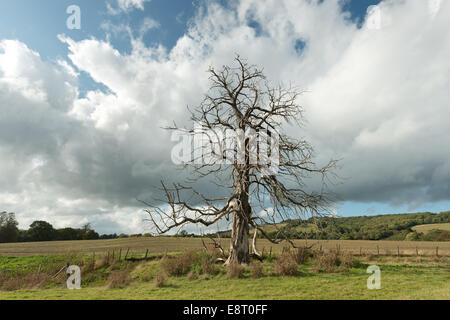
(377,98)
(148,24)
(126,6)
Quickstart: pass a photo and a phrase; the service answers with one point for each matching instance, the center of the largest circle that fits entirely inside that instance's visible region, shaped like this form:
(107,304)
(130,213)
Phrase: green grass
(425,228)
(47,263)
(401,278)
(400,283)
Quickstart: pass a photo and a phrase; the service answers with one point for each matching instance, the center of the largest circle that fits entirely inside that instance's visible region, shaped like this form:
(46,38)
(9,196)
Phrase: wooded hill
(379,227)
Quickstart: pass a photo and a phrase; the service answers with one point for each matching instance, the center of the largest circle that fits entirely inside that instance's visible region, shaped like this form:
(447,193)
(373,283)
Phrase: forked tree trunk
(239,248)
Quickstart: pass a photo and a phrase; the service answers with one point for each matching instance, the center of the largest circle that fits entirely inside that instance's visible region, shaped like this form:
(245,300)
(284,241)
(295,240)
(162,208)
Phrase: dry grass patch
(301,254)
(332,261)
(26,281)
(256,270)
(208,265)
(285,265)
(179,265)
(119,279)
(160,280)
(235,271)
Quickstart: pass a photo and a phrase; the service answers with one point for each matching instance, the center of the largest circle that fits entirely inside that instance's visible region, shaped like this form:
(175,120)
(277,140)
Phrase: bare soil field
(139,246)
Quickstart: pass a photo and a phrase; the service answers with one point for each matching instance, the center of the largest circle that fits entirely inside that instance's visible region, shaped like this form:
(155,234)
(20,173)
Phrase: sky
(81,110)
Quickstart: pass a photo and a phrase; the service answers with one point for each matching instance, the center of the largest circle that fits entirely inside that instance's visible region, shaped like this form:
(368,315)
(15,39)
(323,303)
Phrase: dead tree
(260,169)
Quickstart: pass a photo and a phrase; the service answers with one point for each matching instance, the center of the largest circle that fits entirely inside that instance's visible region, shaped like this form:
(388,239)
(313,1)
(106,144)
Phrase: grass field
(407,276)
(163,244)
(428,227)
(401,278)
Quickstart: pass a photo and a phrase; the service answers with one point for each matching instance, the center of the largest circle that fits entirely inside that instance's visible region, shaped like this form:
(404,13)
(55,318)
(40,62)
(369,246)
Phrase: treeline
(381,227)
(44,231)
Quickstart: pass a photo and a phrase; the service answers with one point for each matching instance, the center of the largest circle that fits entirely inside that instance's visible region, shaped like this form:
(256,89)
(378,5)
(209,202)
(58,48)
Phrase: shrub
(326,261)
(301,255)
(256,270)
(347,259)
(207,265)
(160,280)
(235,271)
(179,265)
(192,275)
(286,265)
(119,279)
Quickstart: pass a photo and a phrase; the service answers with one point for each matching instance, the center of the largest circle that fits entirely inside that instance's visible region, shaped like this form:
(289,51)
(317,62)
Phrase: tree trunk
(239,249)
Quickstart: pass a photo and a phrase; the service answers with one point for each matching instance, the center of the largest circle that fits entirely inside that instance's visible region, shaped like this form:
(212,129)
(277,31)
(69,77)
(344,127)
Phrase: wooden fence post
(437,251)
(146,253)
(126,255)
(398,251)
(378,250)
(120,254)
(39,271)
(270,254)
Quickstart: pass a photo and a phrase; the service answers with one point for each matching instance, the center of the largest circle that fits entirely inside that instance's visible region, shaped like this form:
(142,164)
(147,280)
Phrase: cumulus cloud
(387,108)
(126,6)
(377,98)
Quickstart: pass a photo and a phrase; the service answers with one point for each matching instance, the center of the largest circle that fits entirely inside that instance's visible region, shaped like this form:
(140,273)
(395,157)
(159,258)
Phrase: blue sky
(39,23)
(345,65)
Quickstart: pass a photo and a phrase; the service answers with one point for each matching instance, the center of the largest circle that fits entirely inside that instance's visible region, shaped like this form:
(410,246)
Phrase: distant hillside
(380,227)
(426,228)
